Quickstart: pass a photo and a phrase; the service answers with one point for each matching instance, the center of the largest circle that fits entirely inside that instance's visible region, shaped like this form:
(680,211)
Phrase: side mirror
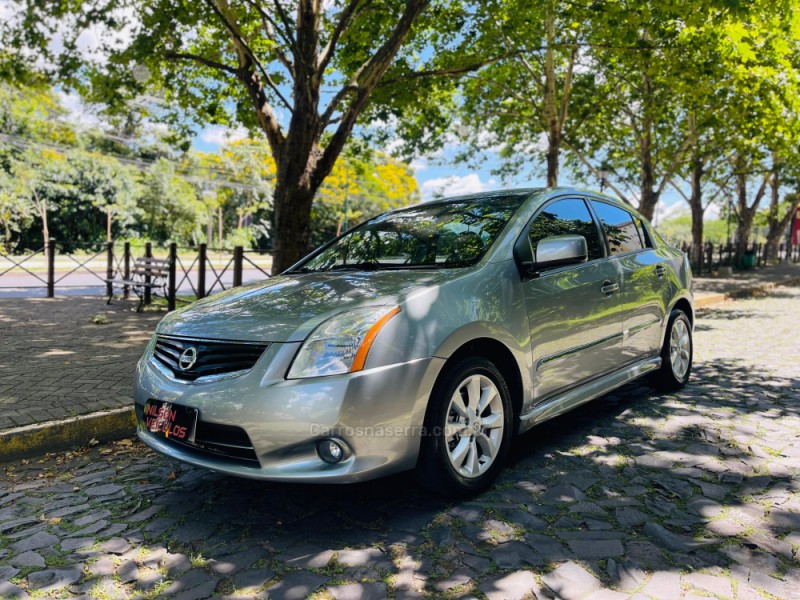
(560,250)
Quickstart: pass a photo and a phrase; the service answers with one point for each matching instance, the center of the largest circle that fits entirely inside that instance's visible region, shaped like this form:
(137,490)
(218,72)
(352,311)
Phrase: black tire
(668,377)
(435,469)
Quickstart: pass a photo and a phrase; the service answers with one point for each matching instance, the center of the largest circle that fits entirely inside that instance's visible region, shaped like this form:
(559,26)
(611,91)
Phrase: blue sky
(442,174)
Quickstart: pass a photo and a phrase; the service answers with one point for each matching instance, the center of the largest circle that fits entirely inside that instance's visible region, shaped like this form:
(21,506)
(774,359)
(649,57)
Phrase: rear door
(573,311)
(643,272)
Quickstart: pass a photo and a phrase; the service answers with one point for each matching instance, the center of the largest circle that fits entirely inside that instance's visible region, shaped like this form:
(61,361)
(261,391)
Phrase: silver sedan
(425,338)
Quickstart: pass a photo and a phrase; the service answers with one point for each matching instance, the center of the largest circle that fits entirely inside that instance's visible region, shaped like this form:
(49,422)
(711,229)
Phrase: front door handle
(609,287)
(660,270)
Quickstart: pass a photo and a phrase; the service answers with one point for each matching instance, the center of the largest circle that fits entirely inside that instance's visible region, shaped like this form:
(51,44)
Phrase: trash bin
(749,259)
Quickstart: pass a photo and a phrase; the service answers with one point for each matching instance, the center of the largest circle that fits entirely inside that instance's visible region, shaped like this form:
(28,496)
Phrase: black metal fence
(192,271)
(750,256)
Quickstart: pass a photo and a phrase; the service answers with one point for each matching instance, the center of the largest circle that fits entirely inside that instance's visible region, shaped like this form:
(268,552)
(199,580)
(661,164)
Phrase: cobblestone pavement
(56,363)
(690,495)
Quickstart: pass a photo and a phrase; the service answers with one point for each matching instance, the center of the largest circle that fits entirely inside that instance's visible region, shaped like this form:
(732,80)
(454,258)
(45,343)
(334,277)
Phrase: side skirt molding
(585,393)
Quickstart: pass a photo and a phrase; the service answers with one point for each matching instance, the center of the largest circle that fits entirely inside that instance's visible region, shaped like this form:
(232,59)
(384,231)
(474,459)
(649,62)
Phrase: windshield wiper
(360,266)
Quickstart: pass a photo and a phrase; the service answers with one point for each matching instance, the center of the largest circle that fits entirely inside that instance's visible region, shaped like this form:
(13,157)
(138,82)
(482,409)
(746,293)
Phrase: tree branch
(366,79)
(169,55)
(220,7)
(348,14)
(270,26)
(579,155)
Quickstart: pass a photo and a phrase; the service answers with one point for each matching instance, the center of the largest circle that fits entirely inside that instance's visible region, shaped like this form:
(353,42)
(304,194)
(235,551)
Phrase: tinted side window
(567,217)
(620,227)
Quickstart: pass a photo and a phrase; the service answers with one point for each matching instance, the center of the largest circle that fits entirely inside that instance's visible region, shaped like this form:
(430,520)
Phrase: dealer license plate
(169,420)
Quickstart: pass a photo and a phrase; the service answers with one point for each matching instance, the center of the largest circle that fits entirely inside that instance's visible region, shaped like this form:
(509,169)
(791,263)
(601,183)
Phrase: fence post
(171,291)
(710,256)
(238,260)
(148,253)
(109,268)
(126,274)
(201,271)
(50,245)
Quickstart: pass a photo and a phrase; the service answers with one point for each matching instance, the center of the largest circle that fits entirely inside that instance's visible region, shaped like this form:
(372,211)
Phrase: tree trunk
(550,109)
(648,193)
(778,224)
(292,204)
(696,205)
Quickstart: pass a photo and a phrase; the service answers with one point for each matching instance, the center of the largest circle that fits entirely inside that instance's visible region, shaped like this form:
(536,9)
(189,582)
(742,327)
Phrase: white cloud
(80,112)
(418,165)
(219,135)
(452,186)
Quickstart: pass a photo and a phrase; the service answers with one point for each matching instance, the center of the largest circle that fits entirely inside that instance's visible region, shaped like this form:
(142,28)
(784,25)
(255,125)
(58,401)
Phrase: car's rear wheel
(468,429)
(676,354)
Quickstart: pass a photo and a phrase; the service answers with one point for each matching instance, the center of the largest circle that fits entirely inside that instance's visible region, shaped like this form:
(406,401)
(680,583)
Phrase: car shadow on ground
(699,478)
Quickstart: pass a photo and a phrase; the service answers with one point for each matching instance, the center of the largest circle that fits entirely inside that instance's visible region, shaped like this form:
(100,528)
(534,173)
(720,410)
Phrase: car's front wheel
(676,354)
(468,429)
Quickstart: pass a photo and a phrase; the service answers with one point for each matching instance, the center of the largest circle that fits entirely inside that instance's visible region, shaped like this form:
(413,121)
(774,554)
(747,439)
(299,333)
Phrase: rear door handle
(660,270)
(609,287)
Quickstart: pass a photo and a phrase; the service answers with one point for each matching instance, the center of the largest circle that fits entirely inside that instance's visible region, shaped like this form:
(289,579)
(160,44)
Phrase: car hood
(288,307)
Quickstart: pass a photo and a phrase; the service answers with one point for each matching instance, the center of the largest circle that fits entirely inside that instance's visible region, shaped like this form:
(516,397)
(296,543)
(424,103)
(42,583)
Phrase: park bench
(146,276)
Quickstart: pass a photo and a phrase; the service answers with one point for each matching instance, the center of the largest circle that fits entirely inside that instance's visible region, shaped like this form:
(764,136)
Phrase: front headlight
(341,343)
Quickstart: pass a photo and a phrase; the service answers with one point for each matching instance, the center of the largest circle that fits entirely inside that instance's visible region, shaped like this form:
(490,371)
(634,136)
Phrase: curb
(51,436)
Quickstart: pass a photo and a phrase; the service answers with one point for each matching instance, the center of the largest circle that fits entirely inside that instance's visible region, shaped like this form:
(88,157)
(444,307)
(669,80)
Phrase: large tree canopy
(301,71)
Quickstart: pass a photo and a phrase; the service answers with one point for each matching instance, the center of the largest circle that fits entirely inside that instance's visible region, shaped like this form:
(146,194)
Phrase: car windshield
(450,234)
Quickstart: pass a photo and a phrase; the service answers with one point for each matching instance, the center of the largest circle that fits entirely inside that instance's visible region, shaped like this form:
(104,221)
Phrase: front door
(644,275)
(574,311)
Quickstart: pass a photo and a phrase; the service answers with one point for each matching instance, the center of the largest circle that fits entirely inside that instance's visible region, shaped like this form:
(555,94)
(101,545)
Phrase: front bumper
(378,413)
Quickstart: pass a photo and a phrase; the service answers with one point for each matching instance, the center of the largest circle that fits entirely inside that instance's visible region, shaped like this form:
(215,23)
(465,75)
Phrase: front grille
(212,357)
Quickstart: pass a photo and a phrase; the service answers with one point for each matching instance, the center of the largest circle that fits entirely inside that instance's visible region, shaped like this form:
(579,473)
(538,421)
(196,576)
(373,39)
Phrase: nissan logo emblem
(187,359)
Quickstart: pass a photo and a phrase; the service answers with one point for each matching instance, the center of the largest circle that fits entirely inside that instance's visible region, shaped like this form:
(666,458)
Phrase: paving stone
(296,586)
(232,563)
(563,492)
(762,581)
(103,490)
(628,575)
(366,557)
(514,586)
(252,578)
(547,546)
(128,571)
(149,581)
(35,542)
(664,586)
(570,581)
(607,595)
(71,544)
(359,591)
(457,578)
(11,591)
(53,579)
(596,549)
(103,567)
(671,540)
(91,518)
(193,531)
(176,563)
(720,586)
(27,559)
(630,517)
(468,514)
(515,555)
(7,572)
(115,545)
(188,582)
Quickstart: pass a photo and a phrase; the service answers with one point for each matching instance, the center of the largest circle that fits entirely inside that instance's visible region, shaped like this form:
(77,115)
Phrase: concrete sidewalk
(65,380)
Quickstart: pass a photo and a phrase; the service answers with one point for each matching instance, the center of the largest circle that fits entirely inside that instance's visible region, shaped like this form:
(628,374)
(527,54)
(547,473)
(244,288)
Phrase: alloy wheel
(473,431)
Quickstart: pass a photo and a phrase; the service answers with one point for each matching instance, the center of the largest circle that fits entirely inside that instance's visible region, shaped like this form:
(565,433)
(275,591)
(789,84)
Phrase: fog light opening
(331,451)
